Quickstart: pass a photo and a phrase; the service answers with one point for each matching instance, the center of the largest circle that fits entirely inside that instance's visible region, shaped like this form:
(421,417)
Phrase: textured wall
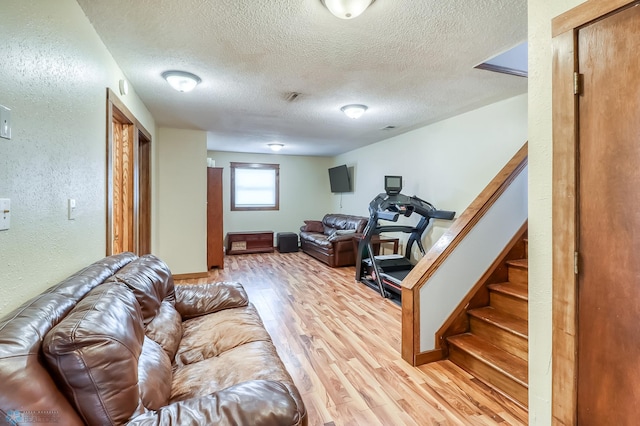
(53,75)
(304,192)
(540,191)
(182,200)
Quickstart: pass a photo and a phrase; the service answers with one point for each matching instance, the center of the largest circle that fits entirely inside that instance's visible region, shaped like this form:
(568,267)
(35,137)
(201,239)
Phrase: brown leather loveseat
(117,343)
(331,240)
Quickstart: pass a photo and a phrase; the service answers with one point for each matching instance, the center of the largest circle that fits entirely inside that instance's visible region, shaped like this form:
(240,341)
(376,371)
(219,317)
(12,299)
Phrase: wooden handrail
(441,250)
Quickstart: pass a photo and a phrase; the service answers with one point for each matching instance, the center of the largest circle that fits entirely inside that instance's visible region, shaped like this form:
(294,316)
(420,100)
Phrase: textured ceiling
(410,61)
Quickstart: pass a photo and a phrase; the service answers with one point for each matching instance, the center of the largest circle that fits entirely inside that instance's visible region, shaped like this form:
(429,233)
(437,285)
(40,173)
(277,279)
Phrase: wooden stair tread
(509,365)
(502,320)
(519,263)
(518,291)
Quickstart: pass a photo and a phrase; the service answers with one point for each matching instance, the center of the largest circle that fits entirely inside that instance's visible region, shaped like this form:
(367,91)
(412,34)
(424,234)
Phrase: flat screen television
(339,179)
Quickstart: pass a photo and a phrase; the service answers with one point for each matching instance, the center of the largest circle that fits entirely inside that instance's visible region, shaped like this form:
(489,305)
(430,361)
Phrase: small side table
(376,242)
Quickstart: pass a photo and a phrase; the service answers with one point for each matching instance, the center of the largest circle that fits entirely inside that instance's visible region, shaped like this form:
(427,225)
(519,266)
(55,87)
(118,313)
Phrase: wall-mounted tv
(339,179)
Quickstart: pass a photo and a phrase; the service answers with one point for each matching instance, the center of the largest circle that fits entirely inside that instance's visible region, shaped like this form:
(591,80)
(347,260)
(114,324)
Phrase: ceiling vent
(389,128)
(292,96)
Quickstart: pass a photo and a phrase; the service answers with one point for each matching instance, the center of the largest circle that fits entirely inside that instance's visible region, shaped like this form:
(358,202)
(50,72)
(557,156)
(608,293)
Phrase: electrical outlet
(5,122)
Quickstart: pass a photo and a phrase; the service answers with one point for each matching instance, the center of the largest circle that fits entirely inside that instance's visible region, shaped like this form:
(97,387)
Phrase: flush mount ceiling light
(354,111)
(275,147)
(182,81)
(347,9)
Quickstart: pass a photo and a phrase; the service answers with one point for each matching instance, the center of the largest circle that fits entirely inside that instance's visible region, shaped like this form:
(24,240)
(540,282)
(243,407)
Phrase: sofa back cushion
(25,381)
(154,375)
(93,354)
(166,329)
(343,221)
(151,282)
(313,226)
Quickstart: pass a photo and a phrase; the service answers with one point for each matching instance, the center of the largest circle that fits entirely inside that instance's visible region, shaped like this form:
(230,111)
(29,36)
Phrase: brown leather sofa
(117,343)
(330,240)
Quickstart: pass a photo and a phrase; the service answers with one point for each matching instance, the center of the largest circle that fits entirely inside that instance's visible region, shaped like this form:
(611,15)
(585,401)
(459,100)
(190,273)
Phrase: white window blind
(254,186)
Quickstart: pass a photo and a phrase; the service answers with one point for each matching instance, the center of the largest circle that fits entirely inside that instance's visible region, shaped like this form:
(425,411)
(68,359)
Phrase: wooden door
(128,181)
(123,227)
(609,221)
(215,239)
(144,194)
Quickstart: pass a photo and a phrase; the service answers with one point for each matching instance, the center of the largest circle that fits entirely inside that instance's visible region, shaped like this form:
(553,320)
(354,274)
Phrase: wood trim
(126,113)
(564,222)
(430,356)
(191,276)
(410,340)
(585,13)
(474,298)
(444,246)
(235,165)
(465,223)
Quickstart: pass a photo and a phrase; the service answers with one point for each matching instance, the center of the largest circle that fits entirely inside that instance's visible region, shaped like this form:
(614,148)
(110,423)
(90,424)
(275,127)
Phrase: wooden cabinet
(250,242)
(215,241)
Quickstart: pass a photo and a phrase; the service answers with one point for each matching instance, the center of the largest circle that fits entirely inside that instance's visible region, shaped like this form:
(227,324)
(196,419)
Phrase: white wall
(182,200)
(468,261)
(540,191)
(447,163)
(304,192)
(54,73)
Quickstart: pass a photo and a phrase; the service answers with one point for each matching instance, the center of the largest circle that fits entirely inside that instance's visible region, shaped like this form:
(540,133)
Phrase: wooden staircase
(495,347)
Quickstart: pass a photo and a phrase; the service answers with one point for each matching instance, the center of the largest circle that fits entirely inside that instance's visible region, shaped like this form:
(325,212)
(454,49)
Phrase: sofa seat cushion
(320,240)
(252,361)
(211,335)
(194,300)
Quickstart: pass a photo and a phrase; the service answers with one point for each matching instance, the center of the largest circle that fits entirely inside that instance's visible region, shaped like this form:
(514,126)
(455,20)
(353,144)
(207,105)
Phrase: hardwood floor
(340,342)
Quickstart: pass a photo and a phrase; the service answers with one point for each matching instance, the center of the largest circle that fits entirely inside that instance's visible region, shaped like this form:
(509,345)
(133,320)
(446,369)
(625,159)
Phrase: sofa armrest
(257,402)
(343,236)
(193,300)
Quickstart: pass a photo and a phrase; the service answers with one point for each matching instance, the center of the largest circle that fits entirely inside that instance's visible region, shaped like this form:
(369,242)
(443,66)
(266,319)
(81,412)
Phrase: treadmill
(385,273)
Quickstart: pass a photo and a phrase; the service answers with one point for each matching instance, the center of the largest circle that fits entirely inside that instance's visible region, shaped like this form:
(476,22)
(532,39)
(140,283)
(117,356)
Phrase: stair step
(502,320)
(518,271)
(510,298)
(505,372)
(506,332)
(517,291)
(519,263)
(526,248)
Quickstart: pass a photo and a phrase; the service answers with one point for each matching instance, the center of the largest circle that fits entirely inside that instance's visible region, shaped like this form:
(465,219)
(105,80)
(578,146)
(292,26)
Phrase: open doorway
(128,181)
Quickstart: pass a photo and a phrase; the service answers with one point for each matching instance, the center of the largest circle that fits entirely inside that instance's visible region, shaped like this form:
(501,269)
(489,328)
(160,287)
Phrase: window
(255,186)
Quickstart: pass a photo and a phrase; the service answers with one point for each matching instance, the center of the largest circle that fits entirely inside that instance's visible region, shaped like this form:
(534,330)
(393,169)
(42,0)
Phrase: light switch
(72,209)
(5,122)
(5,214)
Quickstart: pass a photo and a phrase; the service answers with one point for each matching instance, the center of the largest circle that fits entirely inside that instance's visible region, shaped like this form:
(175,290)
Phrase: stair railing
(442,278)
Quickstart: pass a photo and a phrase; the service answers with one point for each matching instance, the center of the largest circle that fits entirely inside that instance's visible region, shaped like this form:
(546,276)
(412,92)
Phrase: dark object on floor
(287,242)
